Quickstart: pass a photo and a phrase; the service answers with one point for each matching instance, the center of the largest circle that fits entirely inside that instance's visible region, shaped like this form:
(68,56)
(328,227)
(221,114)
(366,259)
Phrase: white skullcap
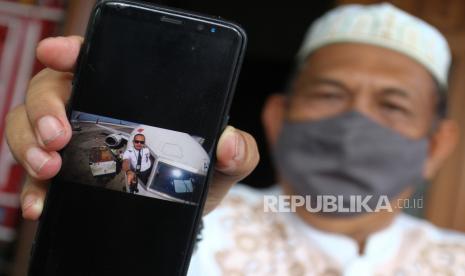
(382,25)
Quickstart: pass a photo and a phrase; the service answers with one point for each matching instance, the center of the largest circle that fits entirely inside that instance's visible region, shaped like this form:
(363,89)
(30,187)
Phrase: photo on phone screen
(135,158)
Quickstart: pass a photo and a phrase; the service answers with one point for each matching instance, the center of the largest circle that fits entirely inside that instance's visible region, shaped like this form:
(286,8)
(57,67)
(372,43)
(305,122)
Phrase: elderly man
(363,119)
(362,123)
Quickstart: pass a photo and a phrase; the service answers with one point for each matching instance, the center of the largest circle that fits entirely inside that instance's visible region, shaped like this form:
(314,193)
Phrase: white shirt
(239,238)
(132,155)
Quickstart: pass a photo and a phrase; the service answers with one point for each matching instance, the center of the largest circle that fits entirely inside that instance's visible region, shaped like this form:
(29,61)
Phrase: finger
(33,197)
(237,155)
(38,163)
(59,53)
(45,105)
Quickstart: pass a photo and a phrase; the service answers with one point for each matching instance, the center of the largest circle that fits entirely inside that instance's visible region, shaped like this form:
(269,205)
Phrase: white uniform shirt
(239,238)
(132,155)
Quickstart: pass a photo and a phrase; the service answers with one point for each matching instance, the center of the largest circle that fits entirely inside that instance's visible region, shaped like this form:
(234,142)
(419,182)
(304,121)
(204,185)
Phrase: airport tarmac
(76,157)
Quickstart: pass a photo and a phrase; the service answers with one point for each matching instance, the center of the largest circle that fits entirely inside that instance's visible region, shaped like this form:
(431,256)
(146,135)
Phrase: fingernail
(240,146)
(49,129)
(29,201)
(36,158)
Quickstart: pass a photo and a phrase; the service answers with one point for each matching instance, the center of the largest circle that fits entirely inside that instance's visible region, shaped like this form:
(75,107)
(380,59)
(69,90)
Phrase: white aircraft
(180,163)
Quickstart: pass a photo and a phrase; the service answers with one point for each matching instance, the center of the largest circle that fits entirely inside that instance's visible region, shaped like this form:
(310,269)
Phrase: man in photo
(137,163)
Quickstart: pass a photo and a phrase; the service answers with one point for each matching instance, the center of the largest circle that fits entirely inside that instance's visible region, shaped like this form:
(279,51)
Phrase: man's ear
(442,144)
(273,115)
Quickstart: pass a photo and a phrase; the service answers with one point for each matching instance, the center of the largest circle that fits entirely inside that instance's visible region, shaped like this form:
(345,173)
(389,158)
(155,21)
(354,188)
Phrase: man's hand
(130,176)
(39,128)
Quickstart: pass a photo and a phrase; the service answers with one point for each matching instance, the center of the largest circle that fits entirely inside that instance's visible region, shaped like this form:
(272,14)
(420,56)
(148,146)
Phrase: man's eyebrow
(323,80)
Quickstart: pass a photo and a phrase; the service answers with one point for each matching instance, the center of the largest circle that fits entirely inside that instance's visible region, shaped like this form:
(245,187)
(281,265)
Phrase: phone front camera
(213,30)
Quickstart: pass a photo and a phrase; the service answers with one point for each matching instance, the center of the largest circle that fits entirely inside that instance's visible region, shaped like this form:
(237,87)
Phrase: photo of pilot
(137,163)
(135,158)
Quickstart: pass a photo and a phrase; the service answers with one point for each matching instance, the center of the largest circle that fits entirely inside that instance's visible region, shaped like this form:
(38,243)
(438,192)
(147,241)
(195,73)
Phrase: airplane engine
(114,140)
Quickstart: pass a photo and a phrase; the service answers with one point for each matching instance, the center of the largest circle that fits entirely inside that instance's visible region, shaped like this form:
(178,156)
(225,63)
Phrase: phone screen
(149,99)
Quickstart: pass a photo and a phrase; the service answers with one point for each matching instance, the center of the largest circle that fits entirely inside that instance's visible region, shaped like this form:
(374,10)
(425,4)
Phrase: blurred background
(275,31)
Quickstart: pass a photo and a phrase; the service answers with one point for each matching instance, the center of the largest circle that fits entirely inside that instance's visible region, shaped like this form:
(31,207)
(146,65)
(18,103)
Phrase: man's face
(139,141)
(386,86)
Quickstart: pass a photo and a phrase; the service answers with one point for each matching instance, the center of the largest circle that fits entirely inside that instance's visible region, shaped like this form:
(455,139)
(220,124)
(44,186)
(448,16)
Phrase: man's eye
(322,95)
(392,107)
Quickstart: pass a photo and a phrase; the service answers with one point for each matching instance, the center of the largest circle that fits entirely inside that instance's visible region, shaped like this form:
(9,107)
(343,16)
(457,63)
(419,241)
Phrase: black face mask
(348,155)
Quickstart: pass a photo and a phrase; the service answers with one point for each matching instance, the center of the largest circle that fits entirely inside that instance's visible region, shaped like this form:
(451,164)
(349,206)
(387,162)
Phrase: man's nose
(362,101)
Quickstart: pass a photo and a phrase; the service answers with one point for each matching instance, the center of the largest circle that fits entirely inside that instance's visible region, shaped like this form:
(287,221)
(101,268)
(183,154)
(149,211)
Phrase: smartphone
(150,98)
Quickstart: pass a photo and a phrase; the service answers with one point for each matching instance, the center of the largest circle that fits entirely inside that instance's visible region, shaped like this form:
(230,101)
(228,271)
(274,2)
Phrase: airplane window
(176,182)
(182,186)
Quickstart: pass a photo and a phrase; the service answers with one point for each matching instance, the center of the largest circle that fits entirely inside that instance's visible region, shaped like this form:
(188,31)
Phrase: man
(137,163)
(363,117)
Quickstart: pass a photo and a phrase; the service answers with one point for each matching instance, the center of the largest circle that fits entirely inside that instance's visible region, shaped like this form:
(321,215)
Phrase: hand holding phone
(43,128)
(46,97)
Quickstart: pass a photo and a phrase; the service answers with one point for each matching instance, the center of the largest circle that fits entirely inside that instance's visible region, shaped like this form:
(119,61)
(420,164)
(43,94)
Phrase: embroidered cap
(386,26)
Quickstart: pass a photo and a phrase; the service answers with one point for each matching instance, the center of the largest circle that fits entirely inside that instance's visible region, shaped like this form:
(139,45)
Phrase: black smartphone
(150,98)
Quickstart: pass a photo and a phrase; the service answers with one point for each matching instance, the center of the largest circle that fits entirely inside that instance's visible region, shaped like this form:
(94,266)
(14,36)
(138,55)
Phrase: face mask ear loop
(287,104)
(434,128)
